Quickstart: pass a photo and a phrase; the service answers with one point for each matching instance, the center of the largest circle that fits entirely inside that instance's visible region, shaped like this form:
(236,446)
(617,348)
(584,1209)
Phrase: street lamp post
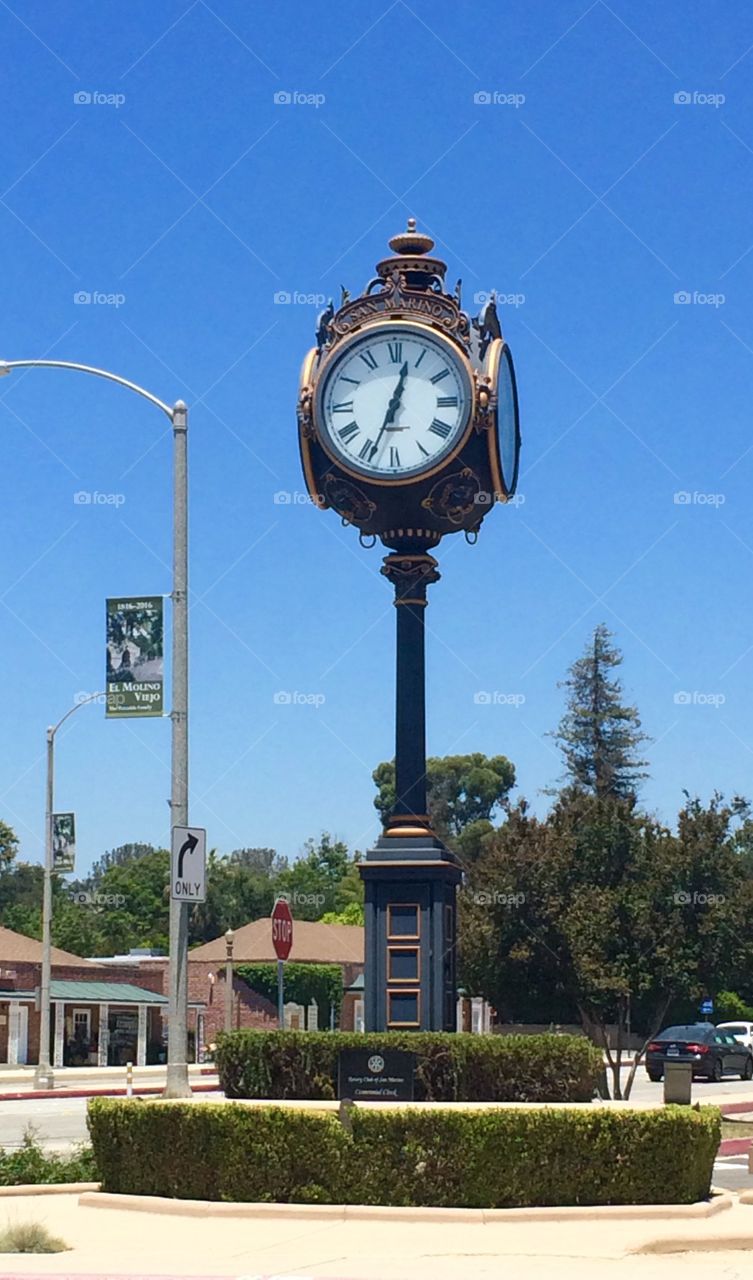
(43,1076)
(229,936)
(177,1085)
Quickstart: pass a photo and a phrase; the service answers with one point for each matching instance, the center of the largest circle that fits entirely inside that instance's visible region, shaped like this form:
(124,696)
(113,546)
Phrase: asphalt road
(58,1123)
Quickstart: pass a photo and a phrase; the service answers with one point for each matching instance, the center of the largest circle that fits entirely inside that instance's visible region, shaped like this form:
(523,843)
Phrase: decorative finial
(411,241)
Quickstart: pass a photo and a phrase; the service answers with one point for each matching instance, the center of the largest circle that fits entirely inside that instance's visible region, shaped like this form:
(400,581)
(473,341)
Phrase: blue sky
(605,188)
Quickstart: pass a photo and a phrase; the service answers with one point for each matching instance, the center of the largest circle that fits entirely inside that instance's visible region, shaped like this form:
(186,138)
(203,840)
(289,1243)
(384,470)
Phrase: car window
(736,1030)
(675,1033)
(724,1038)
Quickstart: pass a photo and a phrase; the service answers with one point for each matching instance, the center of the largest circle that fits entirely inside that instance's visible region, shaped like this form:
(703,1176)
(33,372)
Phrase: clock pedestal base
(410,887)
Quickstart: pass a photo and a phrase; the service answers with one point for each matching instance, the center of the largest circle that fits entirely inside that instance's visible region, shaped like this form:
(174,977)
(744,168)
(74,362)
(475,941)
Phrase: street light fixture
(177,1085)
(229,938)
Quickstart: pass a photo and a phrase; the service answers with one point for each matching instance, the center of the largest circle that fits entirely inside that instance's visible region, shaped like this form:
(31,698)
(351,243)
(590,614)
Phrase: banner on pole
(135,656)
(63,842)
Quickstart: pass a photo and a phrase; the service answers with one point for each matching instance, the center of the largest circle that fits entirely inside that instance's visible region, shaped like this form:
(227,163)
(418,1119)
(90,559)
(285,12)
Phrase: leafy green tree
(240,887)
(8,845)
(599,735)
(352,914)
(319,880)
(118,857)
(612,912)
(462,791)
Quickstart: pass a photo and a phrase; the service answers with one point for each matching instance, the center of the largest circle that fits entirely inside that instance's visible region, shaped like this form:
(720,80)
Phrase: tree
(8,845)
(612,912)
(461,791)
(599,735)
(240,887)
(319,880)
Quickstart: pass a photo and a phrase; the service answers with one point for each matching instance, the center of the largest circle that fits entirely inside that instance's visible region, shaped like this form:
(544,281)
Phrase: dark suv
(713,1053)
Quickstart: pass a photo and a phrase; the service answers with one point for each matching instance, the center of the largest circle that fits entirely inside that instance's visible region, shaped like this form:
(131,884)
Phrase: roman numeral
(420,358)
(347,432)
(368,359)
(440,428)
(345,406)
(365,452)
(425,452)
(354,381)
(444,373)
(447,402)
(396,351)
(394,457)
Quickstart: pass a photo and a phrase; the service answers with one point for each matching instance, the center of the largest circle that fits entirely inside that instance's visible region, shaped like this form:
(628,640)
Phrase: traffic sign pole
(282,941)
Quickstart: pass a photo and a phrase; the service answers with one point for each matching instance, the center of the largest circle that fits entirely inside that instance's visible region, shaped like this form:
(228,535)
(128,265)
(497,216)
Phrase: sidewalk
(587,1245)
(17,1083)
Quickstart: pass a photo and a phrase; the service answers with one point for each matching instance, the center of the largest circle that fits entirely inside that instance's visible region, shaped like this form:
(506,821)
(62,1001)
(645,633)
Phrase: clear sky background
(593,199)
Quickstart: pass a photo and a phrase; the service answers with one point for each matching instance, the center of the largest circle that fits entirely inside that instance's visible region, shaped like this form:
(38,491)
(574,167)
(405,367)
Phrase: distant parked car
(742,1031)
(712,1051)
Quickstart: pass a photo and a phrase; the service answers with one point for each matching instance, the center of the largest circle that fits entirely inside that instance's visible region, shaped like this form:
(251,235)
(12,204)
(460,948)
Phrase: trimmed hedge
(471,1159)
(449,1067)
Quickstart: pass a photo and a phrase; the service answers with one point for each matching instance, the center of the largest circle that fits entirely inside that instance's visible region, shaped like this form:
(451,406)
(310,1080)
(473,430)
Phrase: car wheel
(657,1075)
(716,1072)
(747,1072)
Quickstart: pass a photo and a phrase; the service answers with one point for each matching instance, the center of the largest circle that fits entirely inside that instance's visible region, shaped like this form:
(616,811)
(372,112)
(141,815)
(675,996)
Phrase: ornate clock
(408,429)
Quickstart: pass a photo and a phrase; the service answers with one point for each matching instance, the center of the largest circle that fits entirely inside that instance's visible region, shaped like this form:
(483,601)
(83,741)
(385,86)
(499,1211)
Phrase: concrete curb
(734,1146)
(50,1189)
(137,1092)
(398,1213)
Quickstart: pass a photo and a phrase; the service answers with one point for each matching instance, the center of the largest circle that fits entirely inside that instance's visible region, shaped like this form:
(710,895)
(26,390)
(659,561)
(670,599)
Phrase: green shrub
(449,1068)
(31,1165)
(474,1159)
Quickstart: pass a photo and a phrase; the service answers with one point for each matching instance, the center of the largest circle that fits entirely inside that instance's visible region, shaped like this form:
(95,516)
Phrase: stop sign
(282,929)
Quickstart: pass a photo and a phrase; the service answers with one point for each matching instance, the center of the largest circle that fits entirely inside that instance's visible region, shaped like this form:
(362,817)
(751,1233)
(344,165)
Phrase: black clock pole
(410,575)
(410,876)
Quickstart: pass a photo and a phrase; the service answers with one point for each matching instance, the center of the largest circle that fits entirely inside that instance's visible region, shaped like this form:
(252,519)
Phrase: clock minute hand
(392,408)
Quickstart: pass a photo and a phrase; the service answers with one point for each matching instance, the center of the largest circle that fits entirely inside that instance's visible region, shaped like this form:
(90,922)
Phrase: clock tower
(408,429)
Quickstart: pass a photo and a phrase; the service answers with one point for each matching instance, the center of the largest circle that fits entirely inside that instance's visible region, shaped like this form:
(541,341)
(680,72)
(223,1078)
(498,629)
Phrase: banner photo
(63,842)
(135,656)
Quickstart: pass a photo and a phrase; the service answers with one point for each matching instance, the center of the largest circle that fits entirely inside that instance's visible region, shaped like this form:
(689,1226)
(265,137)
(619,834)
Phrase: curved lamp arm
(6,366)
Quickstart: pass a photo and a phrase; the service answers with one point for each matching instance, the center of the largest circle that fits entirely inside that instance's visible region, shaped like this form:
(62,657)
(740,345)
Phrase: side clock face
(395,402)
(508,422)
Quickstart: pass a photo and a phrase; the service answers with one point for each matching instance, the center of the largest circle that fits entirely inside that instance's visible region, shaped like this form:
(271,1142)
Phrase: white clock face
(395,402)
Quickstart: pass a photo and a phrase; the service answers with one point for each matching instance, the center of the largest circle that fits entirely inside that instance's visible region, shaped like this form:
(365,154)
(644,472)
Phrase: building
(313,943)
(101,1014)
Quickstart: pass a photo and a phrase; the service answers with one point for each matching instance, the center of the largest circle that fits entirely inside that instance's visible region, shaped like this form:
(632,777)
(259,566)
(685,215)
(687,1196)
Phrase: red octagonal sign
(282,929)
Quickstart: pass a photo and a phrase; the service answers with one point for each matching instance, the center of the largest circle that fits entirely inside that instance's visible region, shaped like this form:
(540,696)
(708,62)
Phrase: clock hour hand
(392,409)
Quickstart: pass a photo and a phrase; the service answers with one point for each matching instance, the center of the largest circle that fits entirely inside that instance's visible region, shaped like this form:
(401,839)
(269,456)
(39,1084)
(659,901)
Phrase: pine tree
(598,735)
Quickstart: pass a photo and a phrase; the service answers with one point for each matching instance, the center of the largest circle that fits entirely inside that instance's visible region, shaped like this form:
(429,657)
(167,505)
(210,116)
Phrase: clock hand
(392,409)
